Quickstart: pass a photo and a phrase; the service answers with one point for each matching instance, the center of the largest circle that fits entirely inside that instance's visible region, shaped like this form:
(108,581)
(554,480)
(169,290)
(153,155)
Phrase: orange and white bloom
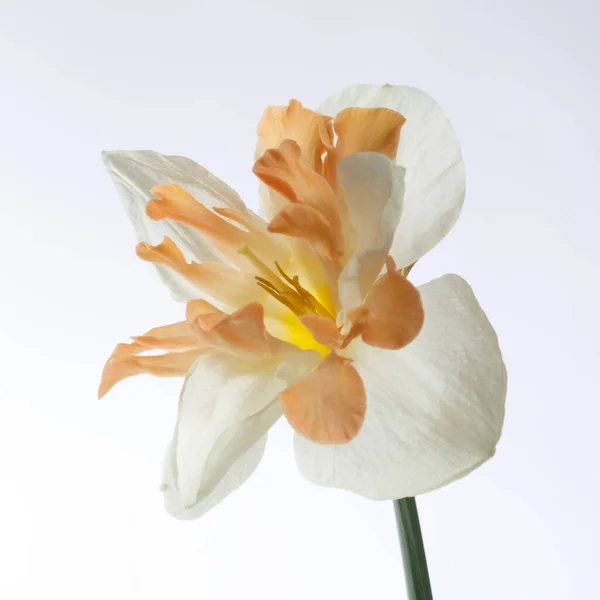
(307,312)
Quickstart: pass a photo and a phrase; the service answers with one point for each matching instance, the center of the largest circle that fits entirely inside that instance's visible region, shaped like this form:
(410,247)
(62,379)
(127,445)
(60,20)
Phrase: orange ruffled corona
(283,285)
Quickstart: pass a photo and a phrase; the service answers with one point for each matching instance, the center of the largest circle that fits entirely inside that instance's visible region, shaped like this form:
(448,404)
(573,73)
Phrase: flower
(393,390)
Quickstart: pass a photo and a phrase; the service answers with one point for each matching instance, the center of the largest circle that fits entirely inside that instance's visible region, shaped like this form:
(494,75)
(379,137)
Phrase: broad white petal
(227,405)
(373,190)
(434,408)
(134,173)
(238,473)
(429,151)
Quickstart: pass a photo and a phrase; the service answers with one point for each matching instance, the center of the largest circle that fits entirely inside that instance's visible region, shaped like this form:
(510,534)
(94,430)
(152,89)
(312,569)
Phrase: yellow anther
(285,289)
(315,306)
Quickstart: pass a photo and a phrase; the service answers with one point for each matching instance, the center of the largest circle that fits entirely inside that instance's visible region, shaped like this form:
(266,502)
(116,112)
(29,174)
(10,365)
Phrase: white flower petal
(434,408)
(373,190)
(236,475)
(227,405)
(134,173)
(429,151)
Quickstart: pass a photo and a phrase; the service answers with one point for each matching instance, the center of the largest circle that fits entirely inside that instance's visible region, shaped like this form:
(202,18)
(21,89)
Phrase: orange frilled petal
(297,123)
(224,283)
(206,329)
(368,130)
(314,210)
(392,314)
(202,316)
(329,405)
(360,130)
(182,345)
(307,223)
(242,333)
(177,336)
(176,204)
(251,222)
(324,330)
(282,170)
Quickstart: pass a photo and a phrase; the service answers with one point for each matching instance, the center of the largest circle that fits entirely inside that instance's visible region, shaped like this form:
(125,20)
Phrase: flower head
(393,390)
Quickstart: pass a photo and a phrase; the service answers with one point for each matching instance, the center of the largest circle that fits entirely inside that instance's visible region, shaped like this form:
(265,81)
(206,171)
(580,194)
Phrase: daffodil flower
(307,311)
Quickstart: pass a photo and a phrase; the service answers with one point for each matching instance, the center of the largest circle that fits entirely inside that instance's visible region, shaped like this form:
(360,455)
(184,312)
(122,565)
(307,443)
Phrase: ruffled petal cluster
(306,311)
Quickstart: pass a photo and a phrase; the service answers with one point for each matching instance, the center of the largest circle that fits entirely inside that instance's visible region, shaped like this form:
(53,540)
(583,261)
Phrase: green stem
(413,551)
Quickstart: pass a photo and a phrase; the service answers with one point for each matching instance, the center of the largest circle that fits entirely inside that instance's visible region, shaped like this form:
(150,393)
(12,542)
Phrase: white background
(81,516)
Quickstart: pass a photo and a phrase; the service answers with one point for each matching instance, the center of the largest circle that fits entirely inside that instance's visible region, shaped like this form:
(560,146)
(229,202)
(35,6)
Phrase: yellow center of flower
(299,302)
(286,289)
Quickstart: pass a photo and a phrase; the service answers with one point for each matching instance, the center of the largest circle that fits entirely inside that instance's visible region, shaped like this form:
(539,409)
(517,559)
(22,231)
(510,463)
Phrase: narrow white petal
(429,151)
(227,405)
(134,173)
(373,190)
(434,409)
